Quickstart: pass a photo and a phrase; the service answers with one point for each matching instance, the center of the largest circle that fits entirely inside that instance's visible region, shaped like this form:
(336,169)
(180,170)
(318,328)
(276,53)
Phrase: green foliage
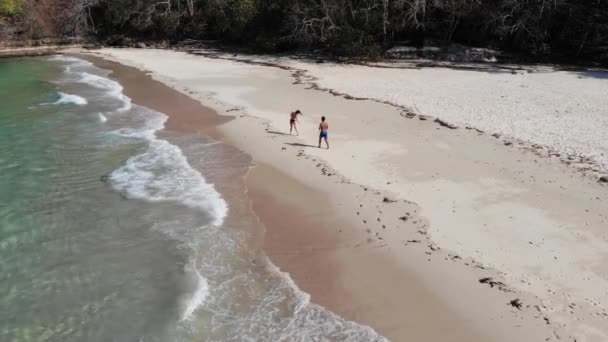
(242,11)
(9,7)
(539,28)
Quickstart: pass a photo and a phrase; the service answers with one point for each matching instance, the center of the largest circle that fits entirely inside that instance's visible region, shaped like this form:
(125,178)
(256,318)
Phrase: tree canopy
(569,29)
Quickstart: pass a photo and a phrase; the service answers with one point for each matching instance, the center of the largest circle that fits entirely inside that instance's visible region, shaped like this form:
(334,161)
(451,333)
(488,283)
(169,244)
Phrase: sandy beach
(410,225)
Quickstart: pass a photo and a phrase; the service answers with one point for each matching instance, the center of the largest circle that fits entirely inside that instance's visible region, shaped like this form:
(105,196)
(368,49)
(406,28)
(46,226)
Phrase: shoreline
(442,255)
(33,51)
(184,117)
(316,273)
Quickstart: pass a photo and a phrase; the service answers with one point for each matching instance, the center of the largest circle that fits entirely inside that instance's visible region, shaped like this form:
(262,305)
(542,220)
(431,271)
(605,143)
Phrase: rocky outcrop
(451,53)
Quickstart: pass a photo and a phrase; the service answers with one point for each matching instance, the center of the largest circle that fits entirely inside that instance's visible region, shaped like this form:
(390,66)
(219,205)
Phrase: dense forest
(542,29)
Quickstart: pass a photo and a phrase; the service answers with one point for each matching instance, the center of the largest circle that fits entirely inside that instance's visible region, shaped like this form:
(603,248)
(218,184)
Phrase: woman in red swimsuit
(293,119)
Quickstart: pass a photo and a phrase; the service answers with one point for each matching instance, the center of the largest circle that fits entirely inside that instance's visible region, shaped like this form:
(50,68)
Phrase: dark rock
(603,179)
(105,178)
(388,200)
(442,52)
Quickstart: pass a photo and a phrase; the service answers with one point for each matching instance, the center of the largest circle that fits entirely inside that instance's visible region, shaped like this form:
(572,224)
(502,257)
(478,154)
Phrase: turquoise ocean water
(110,230)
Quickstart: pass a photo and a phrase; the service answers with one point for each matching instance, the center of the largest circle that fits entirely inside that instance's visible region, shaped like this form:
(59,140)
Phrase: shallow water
(110,228)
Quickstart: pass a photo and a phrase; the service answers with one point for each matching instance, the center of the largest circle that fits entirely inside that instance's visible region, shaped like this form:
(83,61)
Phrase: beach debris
(475,129)
(603,179)
(388,200)
(422,117)
(105,178)
(496,135)
(405,218)
(454,256)
(516,303)
(445,124)
(408,115)
(413,241)
(283,148)
(494,283)
(349,97)
(508,143)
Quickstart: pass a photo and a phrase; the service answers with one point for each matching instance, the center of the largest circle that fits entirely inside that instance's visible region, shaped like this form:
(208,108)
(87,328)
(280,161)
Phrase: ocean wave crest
(163,173)
(71,60)
(113,88)
(70,99)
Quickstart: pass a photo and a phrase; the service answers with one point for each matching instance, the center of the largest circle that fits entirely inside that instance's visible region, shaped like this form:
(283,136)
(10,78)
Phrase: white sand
(541,225)
(564,110)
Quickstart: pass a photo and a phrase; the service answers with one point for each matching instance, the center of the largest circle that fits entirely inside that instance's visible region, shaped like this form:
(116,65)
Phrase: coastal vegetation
(7,9)
(573,30)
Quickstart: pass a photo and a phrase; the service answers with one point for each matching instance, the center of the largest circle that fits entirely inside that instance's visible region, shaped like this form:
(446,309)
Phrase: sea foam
(71,60)
(70,99)
(113,88)
(199,295)
(162,173)
(102,118)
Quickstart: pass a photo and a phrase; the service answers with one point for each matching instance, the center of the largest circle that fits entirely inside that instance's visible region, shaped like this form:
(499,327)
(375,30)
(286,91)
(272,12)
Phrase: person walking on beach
(323,127)
(293,119)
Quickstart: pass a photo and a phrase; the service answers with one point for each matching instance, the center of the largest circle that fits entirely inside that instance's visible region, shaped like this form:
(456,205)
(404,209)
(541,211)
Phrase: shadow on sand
(301,145)
(278,133)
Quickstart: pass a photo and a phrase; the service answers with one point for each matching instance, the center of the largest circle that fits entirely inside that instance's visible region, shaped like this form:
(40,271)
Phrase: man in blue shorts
(323,127)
